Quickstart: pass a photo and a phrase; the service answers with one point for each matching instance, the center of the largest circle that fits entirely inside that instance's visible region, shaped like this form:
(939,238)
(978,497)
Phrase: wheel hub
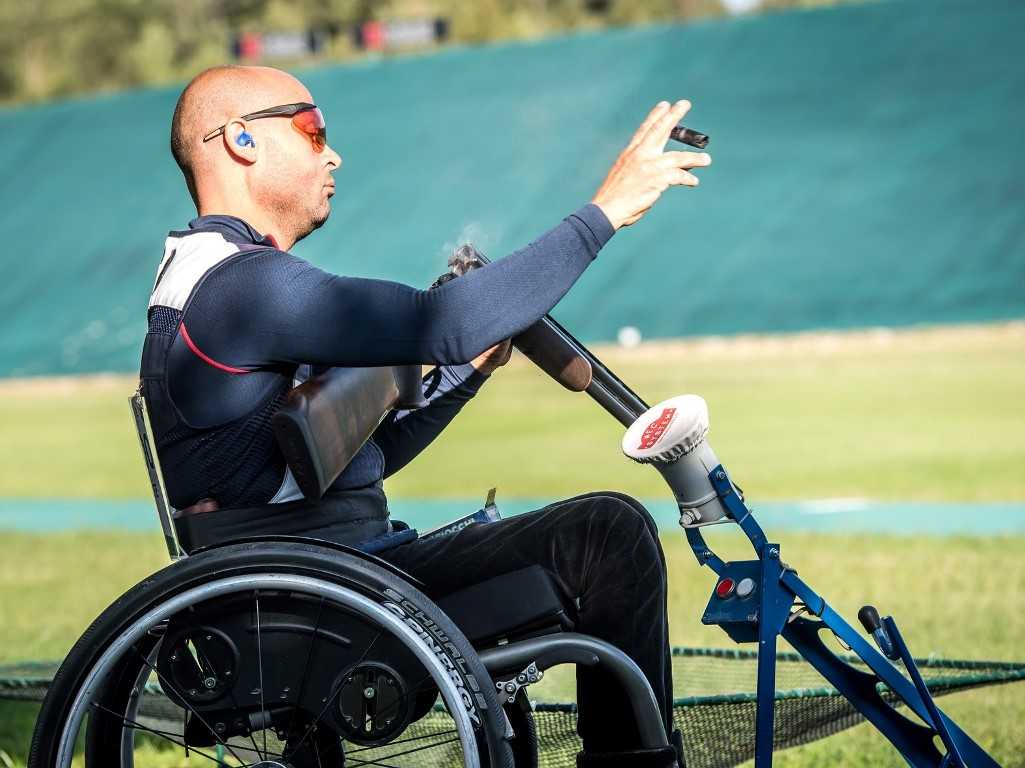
(373,703)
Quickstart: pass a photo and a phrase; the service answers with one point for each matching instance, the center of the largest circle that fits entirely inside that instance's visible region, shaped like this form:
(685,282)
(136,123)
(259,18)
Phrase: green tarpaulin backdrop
(868,170)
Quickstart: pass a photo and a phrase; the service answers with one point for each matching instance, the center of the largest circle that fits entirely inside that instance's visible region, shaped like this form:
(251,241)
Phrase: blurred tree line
(56,48)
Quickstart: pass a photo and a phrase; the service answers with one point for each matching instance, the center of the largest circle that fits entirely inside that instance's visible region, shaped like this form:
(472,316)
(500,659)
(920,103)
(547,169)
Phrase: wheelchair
(279,651)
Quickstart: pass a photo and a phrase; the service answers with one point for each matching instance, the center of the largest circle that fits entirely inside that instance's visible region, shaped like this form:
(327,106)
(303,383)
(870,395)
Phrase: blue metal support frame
(935,716)
(780,587)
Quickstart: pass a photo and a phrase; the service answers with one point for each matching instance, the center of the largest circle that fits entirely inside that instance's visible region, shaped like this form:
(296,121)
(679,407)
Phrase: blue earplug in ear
(245,140)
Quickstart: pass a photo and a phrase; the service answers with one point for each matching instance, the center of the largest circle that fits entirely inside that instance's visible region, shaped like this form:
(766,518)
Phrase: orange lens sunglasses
(306,118)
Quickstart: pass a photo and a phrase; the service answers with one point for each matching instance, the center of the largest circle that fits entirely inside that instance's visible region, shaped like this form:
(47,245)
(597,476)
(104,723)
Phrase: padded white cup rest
(667,431)
(672,436)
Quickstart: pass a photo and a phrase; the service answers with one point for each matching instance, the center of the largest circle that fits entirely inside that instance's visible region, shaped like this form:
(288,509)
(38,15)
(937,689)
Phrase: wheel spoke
(164,682)
(393,755)
(252,739)
(316,751)
(371,762)
(350,752)
(166,735)
(259,658)
(332,698)
(306,668)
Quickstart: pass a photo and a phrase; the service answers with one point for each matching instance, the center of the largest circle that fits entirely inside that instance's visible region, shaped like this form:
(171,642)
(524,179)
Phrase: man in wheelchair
(235,322)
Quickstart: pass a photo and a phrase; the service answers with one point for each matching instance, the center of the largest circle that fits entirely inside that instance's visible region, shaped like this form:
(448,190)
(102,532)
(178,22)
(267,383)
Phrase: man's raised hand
(642,172)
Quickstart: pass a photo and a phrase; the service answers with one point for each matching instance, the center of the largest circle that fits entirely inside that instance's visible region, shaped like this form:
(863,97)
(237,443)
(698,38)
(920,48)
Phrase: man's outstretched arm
(289,312)
(269,309)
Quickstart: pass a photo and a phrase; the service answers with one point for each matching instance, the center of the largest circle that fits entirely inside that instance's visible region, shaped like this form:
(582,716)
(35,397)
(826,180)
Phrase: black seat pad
(513,605)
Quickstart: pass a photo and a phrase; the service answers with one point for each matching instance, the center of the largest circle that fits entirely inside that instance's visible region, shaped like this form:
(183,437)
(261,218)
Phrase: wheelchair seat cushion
(352,517)
(513,605)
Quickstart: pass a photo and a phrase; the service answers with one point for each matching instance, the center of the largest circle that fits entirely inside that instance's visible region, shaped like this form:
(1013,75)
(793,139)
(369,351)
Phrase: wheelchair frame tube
(574,648)
(156,478)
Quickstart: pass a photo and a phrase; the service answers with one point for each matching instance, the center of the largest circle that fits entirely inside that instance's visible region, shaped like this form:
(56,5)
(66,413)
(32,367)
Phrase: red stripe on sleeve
(206,358)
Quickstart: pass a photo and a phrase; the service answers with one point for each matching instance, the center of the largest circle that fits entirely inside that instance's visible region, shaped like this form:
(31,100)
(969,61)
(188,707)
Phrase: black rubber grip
(869,618)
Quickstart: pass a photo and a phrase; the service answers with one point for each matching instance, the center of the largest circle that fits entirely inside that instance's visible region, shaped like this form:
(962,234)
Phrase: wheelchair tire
(524,743)
(104,671)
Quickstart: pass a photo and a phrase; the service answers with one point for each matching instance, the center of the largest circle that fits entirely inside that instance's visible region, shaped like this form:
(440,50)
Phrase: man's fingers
(678,177)
(658,134)
(656,112)
(686,159)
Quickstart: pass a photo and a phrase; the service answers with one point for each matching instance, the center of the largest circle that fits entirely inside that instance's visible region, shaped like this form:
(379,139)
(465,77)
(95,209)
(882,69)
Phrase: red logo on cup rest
(657,428)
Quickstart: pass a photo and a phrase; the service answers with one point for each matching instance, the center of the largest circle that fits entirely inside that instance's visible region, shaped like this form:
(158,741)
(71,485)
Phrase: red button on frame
(724,588)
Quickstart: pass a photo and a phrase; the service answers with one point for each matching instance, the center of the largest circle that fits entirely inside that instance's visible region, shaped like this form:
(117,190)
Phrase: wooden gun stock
(327,419)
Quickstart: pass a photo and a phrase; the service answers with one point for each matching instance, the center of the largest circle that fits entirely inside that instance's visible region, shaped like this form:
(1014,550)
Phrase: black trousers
(603,551)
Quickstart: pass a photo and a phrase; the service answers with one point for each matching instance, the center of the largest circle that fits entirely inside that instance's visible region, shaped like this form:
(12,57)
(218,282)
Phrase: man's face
(291,177)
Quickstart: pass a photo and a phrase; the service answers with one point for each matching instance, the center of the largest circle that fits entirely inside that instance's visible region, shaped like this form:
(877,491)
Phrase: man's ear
(239,143)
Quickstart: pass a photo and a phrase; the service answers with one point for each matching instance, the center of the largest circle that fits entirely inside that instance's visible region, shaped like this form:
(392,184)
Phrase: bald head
(215,96)
(278,179)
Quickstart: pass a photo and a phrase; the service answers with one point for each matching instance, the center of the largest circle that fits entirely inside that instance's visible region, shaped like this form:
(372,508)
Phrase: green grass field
(924,415)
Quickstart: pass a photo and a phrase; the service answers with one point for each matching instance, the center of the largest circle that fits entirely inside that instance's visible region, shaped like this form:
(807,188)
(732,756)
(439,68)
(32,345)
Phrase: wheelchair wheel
(524,743)
(272,655)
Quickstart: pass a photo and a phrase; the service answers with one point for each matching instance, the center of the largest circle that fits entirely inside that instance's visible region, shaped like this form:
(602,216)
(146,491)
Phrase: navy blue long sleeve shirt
(233,321)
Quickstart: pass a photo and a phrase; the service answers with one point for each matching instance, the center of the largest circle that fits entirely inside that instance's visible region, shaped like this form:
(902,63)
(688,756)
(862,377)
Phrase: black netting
(163,319)
(715,708)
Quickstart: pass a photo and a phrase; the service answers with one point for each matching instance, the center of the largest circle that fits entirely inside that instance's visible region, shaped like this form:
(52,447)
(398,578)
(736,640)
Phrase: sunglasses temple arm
(214,134)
